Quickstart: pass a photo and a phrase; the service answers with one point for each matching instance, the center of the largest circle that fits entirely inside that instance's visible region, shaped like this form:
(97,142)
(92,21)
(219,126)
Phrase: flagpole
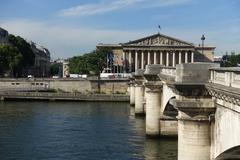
(107,60)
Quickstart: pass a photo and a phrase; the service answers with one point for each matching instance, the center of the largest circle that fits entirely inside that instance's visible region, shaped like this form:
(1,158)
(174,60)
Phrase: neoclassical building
(156,49)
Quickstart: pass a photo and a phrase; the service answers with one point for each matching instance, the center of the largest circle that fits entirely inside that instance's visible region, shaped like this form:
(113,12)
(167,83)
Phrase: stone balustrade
(229,77)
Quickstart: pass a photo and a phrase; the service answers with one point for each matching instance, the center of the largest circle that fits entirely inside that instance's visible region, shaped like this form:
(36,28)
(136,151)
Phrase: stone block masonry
(65,85)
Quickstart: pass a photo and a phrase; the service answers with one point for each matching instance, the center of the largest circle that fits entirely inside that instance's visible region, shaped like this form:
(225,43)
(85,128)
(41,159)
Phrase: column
(142,60)
(124,62)
(161,58)
(136,61)
(130,61)
(132,94)
(186,57)
(180,57)
(153,107)
(192,57)
(149,60)
(174,61)
(139,97)
(155,58)
(167,59)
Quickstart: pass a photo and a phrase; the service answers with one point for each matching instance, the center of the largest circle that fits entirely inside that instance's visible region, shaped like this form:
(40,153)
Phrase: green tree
(94,62)
(10,59)
(54,69)
(24,48)
(231,60)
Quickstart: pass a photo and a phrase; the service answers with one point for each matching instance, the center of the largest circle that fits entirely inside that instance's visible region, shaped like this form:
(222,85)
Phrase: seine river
(77,131)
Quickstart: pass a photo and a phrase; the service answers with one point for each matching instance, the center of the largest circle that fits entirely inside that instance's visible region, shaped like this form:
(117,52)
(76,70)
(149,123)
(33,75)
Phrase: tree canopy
(15,56)
(231,60)
(24,48)
(94,62)
(54,69)
(10,60)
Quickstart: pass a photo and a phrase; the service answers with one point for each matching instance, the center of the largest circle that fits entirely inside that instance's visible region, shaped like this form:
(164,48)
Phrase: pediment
(159,40)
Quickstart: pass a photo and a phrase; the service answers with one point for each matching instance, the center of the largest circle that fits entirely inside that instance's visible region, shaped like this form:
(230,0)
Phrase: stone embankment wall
(110,86)
(5,95)
(65,85)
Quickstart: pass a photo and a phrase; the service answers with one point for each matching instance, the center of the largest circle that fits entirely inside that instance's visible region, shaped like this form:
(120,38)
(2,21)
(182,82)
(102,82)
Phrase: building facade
(157,49)
(3,36)
(41,66)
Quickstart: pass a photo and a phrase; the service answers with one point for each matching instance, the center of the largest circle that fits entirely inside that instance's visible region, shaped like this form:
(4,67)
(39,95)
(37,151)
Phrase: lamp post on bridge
(203,38)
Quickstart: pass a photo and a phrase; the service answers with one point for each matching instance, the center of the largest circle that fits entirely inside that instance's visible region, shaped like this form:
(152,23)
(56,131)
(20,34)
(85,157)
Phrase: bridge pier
(195,106)
(139,97)
(194,129)
(153,106)
(132,94)
(139,92)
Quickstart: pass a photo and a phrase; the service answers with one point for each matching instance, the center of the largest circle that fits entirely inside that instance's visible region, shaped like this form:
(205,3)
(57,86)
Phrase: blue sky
(73,27)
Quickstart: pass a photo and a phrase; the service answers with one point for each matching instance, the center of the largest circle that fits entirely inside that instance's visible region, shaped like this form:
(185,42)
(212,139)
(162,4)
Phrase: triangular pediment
(159,40)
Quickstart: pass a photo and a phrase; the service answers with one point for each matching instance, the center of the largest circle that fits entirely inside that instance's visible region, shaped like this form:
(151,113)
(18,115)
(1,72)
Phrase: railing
(226,76)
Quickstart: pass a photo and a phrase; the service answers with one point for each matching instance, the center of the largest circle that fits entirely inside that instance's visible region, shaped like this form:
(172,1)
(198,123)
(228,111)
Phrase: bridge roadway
(198,102)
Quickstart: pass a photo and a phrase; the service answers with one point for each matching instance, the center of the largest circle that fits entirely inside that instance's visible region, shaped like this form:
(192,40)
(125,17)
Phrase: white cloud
(65,41)
(108,6)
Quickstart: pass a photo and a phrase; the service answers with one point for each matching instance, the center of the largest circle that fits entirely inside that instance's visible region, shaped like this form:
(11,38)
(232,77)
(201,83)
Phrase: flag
(159,27)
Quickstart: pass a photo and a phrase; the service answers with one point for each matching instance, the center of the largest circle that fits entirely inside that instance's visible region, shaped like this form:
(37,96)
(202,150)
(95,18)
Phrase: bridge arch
(232,153)
(167,95)
(169,109)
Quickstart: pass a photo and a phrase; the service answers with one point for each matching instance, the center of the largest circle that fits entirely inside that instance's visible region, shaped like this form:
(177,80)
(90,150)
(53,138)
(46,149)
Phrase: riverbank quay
(71,85)
(51,96)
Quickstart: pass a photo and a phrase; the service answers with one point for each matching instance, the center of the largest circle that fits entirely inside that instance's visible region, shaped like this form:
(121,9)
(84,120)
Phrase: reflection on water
(74,130)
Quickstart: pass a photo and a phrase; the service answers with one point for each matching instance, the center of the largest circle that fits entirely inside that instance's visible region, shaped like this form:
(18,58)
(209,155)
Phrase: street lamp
(203,38)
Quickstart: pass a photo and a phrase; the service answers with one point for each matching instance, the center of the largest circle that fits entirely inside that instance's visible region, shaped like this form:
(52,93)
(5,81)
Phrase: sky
(73,27)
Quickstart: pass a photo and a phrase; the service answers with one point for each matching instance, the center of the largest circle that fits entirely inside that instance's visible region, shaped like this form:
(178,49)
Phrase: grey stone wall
(65,85)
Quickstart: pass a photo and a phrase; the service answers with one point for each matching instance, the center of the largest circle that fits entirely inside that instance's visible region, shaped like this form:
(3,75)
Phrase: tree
(54,69)
(25,50)
(231,60)
(10,59)
(93,62)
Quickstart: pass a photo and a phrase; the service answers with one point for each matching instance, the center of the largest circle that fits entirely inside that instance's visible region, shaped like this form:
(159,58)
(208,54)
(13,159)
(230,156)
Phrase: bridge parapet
(227,76)
(224,86)
(168,74)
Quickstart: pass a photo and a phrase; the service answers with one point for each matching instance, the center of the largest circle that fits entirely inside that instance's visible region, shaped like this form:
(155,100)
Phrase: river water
(77,131)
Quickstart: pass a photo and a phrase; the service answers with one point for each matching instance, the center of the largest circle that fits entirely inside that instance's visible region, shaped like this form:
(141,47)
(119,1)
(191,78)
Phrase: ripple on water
(91,131)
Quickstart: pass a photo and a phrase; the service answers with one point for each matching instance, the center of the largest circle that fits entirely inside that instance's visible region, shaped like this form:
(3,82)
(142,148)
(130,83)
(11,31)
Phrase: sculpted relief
(159,41)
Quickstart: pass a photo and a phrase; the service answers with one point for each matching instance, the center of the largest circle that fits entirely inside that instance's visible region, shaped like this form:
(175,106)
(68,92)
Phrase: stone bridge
(197,102)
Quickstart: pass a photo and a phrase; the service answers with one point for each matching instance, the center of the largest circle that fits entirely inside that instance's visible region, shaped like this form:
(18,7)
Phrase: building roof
(156,40)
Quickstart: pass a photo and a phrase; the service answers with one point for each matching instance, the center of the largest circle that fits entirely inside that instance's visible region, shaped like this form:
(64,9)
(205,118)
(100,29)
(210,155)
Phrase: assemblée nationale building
(157,49)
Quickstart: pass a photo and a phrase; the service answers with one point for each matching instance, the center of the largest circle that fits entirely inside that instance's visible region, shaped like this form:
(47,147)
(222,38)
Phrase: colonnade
(138,59)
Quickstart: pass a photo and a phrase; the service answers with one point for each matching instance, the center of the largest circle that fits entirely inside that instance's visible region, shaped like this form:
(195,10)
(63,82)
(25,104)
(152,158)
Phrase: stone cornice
(189,89)
(194,109)
(228,94)
(156,85)
(152,47)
